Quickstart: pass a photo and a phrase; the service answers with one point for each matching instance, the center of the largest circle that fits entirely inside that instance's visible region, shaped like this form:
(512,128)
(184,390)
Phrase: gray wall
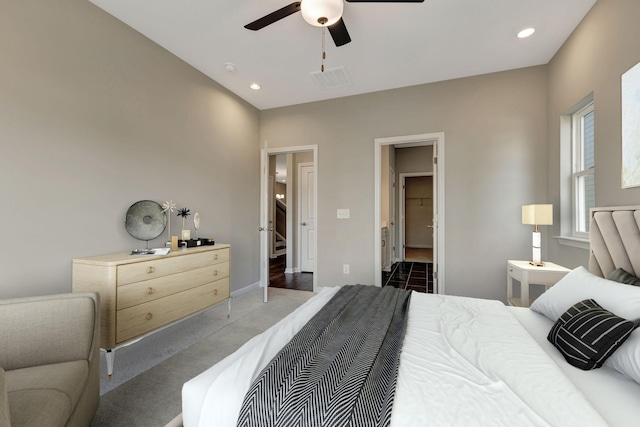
(496,154)
(94,117)
(600,50)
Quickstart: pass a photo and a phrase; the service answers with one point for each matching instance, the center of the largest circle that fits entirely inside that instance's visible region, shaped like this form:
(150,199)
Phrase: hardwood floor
(279,279)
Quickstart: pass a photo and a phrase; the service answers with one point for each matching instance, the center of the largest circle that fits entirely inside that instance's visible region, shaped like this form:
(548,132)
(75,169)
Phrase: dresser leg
(109,357)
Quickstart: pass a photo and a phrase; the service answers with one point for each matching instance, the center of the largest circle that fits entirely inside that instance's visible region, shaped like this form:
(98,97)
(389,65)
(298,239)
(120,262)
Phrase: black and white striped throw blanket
(339,370)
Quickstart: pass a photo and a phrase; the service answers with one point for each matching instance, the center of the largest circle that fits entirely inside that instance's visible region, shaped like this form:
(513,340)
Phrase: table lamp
(537,215)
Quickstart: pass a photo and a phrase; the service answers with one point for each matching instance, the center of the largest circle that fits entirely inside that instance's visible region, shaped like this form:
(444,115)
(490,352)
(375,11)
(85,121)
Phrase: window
(583,167)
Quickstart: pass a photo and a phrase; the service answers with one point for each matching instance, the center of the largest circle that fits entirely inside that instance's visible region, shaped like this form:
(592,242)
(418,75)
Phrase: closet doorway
(416,217)
(386,221)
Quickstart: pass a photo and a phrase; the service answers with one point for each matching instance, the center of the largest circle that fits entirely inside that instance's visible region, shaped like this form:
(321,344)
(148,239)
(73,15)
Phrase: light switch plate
(344,213)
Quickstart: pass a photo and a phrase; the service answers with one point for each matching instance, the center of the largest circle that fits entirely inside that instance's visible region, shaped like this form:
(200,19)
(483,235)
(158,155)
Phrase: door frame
(264,209)
(437,140)
(402,201)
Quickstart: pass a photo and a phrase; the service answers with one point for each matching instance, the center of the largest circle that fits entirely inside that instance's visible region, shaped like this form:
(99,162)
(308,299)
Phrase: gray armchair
(49,360)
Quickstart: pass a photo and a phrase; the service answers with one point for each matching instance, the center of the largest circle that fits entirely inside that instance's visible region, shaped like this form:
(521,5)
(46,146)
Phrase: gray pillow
(622,276)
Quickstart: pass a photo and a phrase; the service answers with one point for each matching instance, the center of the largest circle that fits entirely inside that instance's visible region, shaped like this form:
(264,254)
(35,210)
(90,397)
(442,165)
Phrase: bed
(471,362)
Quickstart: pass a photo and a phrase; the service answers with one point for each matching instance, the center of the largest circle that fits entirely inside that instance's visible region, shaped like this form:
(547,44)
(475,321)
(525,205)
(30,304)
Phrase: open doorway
(288,209)
(424,156)
(414,271)
(416,225)
(289,223)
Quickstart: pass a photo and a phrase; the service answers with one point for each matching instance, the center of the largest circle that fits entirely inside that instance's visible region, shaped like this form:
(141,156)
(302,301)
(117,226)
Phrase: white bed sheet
(465,362)
(615,396)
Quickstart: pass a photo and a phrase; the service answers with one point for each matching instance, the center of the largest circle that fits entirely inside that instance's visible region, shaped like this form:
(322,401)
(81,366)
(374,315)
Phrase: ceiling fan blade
(339,33)
(385,1)
(274,17)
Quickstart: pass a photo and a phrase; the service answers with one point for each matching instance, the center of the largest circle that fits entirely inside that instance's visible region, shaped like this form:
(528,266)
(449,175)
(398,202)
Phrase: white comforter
(464,362)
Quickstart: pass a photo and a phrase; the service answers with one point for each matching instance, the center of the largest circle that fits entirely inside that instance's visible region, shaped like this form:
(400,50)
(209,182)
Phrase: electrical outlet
(345,268)
(344,214)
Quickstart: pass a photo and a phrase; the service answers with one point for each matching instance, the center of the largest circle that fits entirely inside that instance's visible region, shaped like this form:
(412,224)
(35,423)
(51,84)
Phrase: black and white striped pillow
(586,334)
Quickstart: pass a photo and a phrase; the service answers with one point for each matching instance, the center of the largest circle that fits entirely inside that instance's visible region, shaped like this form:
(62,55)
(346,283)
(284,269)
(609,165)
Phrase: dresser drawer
(149,290)
(221,290)
(220,271)
(142,318)
(219,256)
(145,270)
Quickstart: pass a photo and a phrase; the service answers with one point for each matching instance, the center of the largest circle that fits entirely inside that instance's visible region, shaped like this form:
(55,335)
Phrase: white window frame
(579,229)
(568,211)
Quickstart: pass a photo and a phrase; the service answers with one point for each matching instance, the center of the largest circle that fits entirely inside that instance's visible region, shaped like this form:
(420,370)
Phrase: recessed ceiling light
(254,86)
(526,33)
(230,67)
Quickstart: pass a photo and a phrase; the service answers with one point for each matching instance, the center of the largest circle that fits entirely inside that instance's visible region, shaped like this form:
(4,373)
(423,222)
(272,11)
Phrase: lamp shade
(321,13)
(537,214)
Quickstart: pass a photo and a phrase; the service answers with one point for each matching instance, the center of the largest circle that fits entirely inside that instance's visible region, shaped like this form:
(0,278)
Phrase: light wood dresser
(141,293)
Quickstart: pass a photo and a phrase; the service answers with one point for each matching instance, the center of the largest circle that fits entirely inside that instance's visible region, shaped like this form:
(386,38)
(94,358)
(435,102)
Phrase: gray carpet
(147,380)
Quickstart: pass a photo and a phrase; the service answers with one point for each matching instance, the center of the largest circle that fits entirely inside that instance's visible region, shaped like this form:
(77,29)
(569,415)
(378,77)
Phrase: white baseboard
(288,270)
(244,290)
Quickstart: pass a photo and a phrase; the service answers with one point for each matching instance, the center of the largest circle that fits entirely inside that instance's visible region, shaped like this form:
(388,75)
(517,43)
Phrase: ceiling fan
(319,13)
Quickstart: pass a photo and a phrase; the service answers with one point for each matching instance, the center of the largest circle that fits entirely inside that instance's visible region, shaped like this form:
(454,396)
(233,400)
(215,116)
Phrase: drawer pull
(215,257)
(150,269)
(149,290)
(149,316)
(215,292)
(215,272)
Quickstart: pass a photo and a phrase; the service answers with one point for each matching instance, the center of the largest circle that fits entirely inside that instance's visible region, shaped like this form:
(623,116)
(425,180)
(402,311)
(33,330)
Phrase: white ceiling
(393,44)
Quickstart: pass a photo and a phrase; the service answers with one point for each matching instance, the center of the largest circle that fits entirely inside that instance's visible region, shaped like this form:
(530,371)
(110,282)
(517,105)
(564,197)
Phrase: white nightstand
(528,274)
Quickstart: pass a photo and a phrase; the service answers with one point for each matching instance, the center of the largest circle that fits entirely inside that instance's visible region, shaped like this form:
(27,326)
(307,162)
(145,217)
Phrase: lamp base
(537,264)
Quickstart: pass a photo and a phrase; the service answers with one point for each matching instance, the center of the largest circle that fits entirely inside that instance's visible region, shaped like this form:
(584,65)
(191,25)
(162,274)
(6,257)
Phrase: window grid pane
(588,141)
(585,200)
(583,174)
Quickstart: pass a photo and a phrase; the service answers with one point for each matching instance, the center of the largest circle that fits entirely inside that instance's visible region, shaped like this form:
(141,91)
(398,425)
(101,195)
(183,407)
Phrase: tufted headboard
(614,238)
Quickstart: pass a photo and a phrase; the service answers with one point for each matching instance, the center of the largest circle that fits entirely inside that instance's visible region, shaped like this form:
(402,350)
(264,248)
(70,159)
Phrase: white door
(307,220)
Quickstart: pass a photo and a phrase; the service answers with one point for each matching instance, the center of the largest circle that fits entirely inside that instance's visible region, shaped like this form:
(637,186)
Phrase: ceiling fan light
(314,10)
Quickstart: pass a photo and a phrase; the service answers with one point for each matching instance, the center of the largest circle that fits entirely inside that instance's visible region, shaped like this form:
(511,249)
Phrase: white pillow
(626,359)
(578,285)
